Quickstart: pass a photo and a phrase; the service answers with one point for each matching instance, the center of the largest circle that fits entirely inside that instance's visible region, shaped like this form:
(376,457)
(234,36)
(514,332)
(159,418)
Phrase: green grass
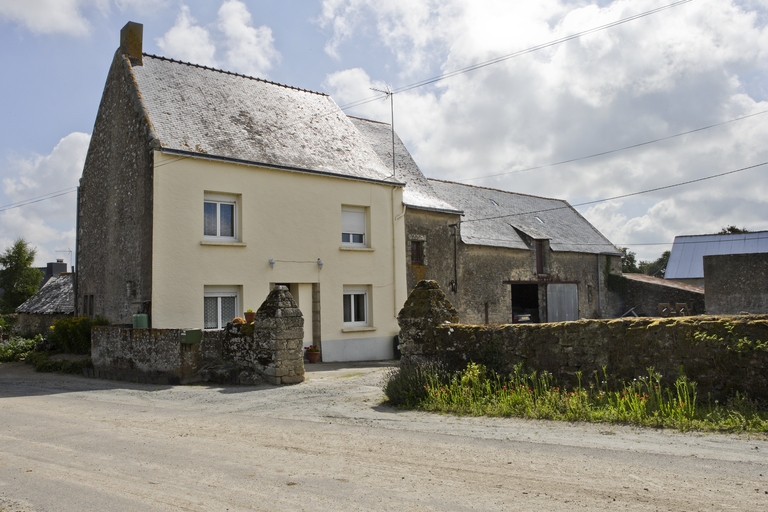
(645,401)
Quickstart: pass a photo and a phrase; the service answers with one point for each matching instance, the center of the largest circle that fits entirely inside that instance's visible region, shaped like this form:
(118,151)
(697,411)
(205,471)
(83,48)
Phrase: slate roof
(56,297)
(686,258)
(662,282)
(418,192)
(216,114)
(494,217)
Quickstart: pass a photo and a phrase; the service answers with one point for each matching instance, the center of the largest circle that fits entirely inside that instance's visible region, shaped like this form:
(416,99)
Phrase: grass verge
(644,401)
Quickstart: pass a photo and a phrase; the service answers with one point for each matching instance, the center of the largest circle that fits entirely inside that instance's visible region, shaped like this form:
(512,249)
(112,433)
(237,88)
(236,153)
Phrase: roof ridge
(499,190)
(724,234)
(368,120)
(160,57)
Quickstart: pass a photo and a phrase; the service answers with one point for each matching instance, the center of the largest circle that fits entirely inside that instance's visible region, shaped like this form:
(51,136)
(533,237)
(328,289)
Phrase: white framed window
(356,303)
(220,306)
(220,217)
(353,226)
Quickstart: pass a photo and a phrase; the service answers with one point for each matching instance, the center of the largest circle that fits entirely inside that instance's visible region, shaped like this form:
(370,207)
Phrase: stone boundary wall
(736,283)
(269,349)
(626,347)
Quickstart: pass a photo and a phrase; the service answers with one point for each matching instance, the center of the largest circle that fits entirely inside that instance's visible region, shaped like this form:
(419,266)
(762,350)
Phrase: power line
(614,150)
(697,180)
(37,199)
(508,56)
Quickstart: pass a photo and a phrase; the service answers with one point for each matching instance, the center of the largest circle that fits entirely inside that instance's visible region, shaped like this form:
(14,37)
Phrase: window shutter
(353,220)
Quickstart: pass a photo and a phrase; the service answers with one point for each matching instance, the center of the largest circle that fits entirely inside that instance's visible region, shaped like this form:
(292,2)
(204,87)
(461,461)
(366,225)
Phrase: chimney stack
(131,36)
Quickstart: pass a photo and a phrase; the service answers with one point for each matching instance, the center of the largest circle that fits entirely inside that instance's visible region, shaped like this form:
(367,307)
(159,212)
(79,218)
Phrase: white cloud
(51,16)
(45,224)
(671,72)
(250,50)
(188,41)
(141,6)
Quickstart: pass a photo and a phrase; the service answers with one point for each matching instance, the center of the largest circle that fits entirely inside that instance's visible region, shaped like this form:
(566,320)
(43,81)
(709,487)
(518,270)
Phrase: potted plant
(312,353)
(249,315)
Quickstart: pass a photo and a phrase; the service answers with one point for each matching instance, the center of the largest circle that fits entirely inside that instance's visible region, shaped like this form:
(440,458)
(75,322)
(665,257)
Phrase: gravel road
(71,443)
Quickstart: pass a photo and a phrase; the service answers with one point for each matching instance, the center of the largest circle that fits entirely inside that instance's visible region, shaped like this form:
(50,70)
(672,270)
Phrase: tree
(732,230)
(655,268)
(628,261)
(18,279)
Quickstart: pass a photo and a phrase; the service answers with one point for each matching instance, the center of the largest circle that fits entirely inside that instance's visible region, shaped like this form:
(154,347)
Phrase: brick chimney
(131,36)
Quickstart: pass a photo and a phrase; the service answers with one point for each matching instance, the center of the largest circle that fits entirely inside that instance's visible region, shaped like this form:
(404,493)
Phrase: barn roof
(211,113)
(56,297)
(507,219)
(686,258)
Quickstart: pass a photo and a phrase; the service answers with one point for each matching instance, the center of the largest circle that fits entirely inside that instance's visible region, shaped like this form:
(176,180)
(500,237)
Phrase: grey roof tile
(418,192)
(219,114)
(56,297)
(493,217)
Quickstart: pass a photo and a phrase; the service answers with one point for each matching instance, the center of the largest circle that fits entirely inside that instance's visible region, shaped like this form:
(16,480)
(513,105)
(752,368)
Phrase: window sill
(230,244)
(358,329)
(359,249)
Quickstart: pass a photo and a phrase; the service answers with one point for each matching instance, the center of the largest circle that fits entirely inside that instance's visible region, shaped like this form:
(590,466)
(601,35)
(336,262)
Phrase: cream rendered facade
(285,222)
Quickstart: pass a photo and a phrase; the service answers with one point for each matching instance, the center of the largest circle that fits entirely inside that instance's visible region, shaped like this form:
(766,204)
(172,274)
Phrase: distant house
(686,259)
(52,269)
(56,299)
(203,189)
(500,257)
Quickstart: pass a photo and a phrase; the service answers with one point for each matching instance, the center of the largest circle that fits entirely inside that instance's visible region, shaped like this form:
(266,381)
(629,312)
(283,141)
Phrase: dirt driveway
(70,443)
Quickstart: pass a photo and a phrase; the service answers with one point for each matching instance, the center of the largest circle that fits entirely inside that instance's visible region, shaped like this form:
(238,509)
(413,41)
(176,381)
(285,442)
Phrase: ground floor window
(355,306)
(220,306)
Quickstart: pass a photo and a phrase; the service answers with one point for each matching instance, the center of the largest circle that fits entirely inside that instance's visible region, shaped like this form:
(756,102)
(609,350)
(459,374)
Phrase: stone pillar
(279,325)
(425,308)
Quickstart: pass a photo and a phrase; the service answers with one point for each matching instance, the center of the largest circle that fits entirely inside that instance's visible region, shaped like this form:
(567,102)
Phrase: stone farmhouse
(204,189)
(500,257)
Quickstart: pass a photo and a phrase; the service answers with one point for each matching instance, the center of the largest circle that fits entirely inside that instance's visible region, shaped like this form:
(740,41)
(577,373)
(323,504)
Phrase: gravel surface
(71,443)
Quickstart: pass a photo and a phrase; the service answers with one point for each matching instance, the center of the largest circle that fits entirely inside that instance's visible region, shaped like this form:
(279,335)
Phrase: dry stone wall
(269,349)
(722,354)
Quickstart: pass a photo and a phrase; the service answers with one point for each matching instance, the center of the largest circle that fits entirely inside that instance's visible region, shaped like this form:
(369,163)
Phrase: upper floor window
(353,226)
(220,217)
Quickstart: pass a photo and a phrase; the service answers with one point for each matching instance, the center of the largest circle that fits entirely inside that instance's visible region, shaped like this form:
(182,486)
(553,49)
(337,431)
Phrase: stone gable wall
(114,238)
(736,283)
(721,365)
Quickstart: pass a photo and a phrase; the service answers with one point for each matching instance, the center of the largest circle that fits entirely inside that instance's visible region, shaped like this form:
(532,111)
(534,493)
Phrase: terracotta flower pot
(250,316)
(312,357)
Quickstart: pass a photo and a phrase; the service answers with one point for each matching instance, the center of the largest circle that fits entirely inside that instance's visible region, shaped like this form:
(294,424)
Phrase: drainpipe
(599,307)
(394,252)
(455,284)
(75,274)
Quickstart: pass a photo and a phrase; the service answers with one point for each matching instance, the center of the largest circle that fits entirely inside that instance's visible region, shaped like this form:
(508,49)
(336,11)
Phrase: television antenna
(390,94)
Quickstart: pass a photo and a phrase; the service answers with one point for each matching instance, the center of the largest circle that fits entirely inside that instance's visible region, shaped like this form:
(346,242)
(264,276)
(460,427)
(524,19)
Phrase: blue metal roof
(686,259)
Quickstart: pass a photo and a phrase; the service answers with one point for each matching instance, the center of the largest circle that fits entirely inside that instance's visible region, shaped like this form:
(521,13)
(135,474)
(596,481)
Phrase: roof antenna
(390,94)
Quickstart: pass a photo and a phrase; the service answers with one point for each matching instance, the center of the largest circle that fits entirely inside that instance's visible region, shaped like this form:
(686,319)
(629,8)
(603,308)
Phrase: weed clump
(644,401)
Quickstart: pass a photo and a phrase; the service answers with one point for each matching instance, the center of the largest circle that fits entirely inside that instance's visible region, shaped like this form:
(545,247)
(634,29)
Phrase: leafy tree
(732,230)
(18,279)
(628,261)
(655,268)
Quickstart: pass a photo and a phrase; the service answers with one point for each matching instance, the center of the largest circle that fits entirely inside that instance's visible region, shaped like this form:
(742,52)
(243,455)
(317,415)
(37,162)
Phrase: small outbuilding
(56,299)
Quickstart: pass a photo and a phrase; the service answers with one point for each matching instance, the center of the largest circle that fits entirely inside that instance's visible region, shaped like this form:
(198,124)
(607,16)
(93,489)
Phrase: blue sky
(697,64)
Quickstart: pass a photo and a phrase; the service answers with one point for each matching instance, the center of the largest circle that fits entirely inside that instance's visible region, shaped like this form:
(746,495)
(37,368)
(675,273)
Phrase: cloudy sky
(694,65)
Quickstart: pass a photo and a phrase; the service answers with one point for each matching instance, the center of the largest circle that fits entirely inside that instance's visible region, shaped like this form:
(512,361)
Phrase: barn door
(562,302)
